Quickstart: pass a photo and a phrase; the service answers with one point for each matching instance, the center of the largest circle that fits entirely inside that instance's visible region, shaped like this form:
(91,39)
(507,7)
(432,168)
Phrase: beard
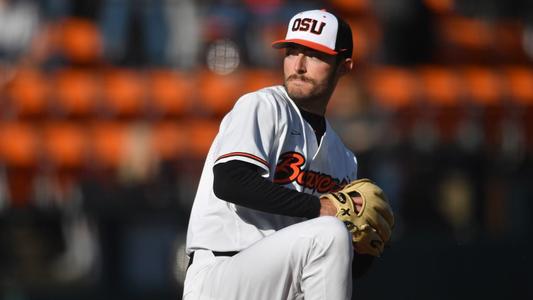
(301,88)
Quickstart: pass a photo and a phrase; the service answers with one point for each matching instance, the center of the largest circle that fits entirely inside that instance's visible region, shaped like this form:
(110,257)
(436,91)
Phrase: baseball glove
(371,227)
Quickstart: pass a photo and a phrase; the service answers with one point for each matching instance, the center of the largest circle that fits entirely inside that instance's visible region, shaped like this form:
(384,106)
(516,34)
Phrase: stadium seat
(483,86)
(509,39)
(218,93)
(107,142)
(64,150)
(19,146)
(80,41)
(466,33)
(440,86)
(463,40)
(393,88)
(518,82)
(65,145)
(170,92)
(256,79)
(441,91)
(200,134)
(76,93)
(169,140)
(124,93)
(484,91)
(28,92)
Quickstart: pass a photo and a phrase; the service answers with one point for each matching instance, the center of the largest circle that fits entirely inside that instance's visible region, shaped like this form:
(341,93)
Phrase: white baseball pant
(309,260)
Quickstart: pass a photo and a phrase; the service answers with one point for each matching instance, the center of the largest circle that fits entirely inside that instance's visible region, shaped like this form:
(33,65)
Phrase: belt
(215,253)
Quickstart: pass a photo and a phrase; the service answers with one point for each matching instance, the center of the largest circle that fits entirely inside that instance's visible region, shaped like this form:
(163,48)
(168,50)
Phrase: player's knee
(334,231)
(323,237)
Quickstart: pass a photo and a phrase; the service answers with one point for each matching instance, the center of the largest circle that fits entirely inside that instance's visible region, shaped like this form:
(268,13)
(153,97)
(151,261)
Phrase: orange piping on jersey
(244,154)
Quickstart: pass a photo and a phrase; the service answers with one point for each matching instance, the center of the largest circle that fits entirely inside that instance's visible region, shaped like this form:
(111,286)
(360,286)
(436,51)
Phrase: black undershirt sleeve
(239,182)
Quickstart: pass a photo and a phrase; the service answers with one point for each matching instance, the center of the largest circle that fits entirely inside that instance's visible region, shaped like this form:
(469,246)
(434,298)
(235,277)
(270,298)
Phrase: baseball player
(276,215)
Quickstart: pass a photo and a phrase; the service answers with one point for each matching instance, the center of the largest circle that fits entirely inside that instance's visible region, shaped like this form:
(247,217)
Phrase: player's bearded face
(308,74)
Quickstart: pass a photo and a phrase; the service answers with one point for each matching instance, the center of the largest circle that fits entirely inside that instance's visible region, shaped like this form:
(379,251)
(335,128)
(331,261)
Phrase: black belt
(215,253)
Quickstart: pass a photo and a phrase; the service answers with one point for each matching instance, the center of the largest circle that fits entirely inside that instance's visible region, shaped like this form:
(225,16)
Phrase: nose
(299,64)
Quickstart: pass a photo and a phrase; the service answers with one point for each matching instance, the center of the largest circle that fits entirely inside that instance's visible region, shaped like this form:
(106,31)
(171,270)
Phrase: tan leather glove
(371,227)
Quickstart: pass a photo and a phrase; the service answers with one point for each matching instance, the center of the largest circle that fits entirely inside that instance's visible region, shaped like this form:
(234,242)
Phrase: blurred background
(108,107)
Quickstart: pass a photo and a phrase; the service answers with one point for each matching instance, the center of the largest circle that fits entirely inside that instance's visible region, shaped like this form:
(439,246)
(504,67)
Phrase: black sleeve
(239,182)
(361,264)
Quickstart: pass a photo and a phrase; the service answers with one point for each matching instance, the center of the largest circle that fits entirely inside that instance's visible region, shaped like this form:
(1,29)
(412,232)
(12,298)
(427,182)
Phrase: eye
(291,51)
(317,55)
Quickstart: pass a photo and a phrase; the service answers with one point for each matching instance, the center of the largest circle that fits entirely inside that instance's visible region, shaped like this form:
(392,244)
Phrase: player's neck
(319,110)
(315,106)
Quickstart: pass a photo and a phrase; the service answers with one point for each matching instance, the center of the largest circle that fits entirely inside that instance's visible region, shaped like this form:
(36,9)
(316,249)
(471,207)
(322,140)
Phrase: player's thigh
(272,267)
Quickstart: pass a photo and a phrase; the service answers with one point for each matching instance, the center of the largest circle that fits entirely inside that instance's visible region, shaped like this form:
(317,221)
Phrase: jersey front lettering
(289,169)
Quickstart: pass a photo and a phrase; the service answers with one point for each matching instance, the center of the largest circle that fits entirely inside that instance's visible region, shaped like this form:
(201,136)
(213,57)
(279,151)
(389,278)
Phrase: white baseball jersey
(265,128)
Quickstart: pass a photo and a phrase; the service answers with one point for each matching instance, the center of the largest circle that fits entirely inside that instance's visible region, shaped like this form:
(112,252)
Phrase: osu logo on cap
(308,24)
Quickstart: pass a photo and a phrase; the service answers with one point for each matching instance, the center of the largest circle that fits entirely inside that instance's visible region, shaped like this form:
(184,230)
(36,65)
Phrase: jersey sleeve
(249,132)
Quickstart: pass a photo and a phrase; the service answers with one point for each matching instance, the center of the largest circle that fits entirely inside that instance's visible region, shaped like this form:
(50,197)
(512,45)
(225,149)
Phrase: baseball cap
(319,30)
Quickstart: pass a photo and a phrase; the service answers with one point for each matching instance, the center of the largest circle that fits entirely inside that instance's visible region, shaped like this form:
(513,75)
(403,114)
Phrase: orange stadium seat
(392,88)
(509,35)
(484,89)
(107,144)
(256,79)
(28,92)
(65,145)
(80,40)
(64,148)
(170,92)
(463,40)
(441,89)
(76,93)
(395,90)
(168,140)
(483,85)
(466,32)
(218,93)
(439,85)
(200,134)
(518,81)
(19,145)
(124,93)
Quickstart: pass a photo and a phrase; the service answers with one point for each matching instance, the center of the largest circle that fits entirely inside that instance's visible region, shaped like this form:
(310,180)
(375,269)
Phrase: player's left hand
(363,208)
(327,208)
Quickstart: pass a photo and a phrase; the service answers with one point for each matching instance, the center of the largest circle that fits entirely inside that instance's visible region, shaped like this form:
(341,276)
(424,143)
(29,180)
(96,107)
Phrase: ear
(345,66)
